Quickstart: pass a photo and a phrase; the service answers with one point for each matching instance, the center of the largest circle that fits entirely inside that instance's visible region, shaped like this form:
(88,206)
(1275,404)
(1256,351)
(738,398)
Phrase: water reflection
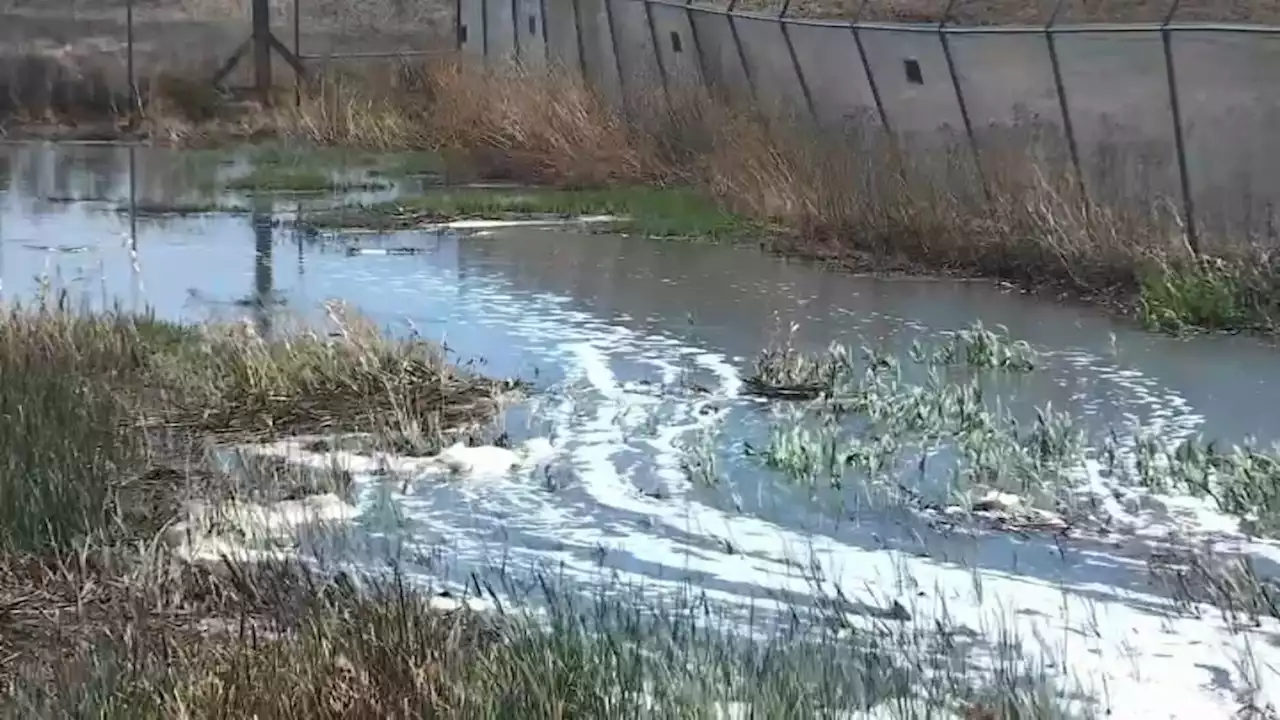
(622,317)
(263,301)
(728,299)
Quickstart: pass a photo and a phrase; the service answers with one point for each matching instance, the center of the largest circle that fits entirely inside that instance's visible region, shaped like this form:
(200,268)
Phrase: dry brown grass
(849,197)
(845,197)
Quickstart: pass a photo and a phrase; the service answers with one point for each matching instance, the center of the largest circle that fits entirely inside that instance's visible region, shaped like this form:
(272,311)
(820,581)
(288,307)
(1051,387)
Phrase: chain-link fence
(82,55)
(1174,108)
(1180,108)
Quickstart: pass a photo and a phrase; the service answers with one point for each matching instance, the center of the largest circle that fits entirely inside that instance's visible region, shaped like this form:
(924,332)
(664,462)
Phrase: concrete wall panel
(1116,86)
(473,21)
(1119,98)
(914,108)
(777,85)
(1229,93)
(602,68)
(831,65)
(562,34)
(677,46)
(530,28)
(641,78)
(500,30)
(723,64)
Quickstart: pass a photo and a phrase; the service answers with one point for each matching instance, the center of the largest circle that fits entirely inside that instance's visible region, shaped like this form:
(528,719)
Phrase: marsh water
(651,337)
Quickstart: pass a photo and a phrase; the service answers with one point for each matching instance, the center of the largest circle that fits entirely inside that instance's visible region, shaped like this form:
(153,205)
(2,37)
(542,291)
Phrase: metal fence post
(795,62)
(297,48)
(742,57)
(617,56)
(133,82)
(546,37)
(577,33)
(1184,176)
(515,30)
(657,52)
(964,108)
(484,31)
(855,28)
(1061,88)
(262,50)
(697,45)
(457,23)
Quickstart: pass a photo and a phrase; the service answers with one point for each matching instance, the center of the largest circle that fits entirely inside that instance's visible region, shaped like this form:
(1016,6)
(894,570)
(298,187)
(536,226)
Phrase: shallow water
(620,319)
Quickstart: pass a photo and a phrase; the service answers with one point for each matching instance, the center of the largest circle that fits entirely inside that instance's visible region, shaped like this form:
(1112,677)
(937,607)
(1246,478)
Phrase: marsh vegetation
(111,424)
(115,424)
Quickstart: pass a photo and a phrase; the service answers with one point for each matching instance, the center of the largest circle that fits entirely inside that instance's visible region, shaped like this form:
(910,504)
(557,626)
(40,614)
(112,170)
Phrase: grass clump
(269,178)
(1211,294)
(92,403)
(1243,481)
(977,347)
(867,422)
(355,379)
(112,423)
(782,370)
(379,650)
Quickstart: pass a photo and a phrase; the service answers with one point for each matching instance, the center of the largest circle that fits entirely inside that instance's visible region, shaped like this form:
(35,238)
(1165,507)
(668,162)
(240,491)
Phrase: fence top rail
(934,28)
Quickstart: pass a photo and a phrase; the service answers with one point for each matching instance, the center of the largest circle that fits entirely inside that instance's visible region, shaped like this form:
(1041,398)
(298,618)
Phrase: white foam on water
(480,224)
(1125,656)
(1093,614)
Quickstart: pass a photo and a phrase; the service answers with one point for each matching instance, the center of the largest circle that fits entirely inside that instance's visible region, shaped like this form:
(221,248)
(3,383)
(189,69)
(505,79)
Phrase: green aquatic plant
(698,459)
(1210,294)
(1243,481)
(783,371)
(865,417)
(978,347)
(807,454)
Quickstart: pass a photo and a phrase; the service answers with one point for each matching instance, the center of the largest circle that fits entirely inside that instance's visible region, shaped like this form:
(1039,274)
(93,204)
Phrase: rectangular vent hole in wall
(676,45)
(533,24)
(914,76)
(462,34)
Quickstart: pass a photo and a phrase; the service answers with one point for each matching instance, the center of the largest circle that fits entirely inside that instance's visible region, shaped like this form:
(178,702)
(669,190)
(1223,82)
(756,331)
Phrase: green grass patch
(311,157)
(1211,294)
(268,178)
(656,212)
(418,163)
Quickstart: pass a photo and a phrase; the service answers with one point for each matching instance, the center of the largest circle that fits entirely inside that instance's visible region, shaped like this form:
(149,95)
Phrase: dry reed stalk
(550,122)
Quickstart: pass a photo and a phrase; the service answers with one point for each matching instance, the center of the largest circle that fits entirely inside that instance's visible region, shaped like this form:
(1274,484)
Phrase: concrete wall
(1116,87)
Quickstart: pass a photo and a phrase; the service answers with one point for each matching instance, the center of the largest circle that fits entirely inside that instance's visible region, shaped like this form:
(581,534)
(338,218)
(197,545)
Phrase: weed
(269,178)
(1212,294)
